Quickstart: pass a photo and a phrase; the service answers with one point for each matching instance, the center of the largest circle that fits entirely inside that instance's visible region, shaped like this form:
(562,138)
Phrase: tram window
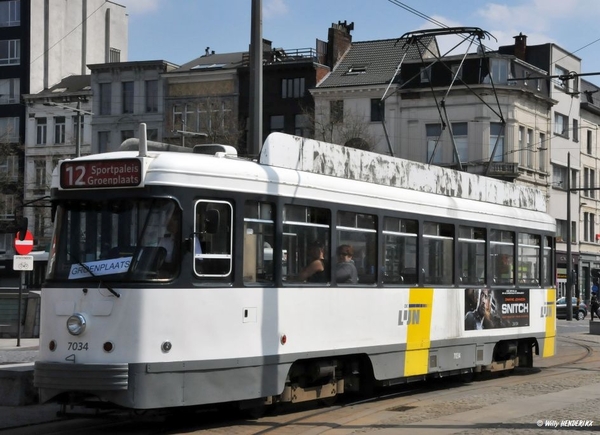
(258,243)
(400,251)
(306,232)
(116,239)
(528,272)
(213,239)
(438,253)
(471,255)
(358,231)
(547,264)
(502,248)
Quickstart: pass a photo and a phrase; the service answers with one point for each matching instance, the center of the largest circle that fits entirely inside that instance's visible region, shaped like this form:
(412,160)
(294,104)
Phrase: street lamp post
(569,292)
(78,134)
(80,112)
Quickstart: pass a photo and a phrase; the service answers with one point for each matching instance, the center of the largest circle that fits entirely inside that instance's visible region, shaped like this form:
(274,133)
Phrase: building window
(277,123)
(426,74)
(561,125)
(560,84)
(178,112)
(460,131)
(127,95)
(457,72)
(103,141)
(497,141)
(42,131)
(530,150)
(40,173)
(588,227)
(152,134)
(575,130)
(293,88)
(10,52)
(151,96)
(59,129)
(114,55)
(105,98)
(10,13)
(336,111)
(589,182)
(78,120)
(542,153)
(9,166)
(9,130)
(10,90)
(588,142)
(302,126)
(377,109)
(40,225)
(499,71)
(559,177)
(7,206)
(433,133)
(126,134)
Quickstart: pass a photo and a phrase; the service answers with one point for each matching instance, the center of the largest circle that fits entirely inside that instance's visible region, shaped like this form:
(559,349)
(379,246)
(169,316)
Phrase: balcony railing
(279,55)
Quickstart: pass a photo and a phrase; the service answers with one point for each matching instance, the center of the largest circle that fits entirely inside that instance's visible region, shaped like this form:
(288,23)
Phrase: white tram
(173,277)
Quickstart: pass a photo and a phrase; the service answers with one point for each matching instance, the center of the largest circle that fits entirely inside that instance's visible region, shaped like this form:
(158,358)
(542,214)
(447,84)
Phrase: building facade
(41,43)
(58,127)
(125,95)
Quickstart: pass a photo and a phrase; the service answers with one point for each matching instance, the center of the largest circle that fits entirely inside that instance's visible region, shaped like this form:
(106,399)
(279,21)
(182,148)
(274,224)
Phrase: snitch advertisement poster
(498,308)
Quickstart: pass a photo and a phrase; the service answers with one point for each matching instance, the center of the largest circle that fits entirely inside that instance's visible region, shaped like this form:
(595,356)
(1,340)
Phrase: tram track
(304,417)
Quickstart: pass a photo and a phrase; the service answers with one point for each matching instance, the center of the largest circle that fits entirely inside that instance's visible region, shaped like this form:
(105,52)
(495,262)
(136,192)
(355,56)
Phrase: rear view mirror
(22,224)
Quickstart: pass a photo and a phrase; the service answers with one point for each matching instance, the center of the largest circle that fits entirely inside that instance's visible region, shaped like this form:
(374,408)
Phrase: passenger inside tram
(345,270)
(315,270)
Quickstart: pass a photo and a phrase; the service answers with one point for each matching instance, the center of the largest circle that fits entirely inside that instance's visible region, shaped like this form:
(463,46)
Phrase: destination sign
(97,174)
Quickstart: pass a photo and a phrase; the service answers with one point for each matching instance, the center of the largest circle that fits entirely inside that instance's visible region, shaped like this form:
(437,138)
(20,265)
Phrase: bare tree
(214,116)
(340,125)
(218,120)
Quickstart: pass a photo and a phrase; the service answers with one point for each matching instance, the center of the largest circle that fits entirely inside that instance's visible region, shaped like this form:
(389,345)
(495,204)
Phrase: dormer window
(357,69)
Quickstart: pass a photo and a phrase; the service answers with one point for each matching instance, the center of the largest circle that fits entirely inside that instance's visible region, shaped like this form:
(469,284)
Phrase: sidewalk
(16,377)
(25,353)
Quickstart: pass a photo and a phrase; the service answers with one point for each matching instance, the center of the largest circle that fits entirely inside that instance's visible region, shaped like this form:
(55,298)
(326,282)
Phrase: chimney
(338,41)
(207,51)
(520,46)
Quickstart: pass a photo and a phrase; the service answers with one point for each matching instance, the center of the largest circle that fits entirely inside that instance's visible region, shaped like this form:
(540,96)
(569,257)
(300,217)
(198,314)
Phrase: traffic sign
(23,262)
(24,246)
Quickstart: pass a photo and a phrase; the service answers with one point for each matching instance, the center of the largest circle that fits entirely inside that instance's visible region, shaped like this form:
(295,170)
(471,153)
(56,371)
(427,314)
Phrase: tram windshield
(121,239)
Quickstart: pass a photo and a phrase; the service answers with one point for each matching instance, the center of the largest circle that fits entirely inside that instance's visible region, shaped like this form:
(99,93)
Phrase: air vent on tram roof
(214,148)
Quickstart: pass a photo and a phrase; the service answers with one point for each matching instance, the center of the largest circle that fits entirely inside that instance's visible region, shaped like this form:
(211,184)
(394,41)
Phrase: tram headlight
(76,324)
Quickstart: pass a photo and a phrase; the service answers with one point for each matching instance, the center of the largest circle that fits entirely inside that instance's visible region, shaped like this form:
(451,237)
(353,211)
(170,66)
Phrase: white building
(43,42)
(126,94)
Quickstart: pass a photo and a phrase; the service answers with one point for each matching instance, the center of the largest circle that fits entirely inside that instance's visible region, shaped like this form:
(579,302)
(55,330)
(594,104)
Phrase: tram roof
(289,156)
(308,155)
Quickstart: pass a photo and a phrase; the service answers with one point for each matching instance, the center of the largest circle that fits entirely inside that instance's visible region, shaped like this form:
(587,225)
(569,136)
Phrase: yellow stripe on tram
(550,336)
(418,335)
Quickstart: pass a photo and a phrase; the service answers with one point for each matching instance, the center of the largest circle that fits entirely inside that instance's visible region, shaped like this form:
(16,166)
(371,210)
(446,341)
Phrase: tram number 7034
(77,345)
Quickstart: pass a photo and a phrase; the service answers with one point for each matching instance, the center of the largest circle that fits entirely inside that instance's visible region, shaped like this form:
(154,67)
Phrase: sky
(179,31)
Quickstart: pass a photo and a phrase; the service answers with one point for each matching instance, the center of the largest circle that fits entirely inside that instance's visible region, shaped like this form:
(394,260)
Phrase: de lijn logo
(411,315)
(548,310)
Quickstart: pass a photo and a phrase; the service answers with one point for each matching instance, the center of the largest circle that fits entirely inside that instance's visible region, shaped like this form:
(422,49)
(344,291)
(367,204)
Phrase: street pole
(78,133)
(21,285)
(256,80)
(569,292)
